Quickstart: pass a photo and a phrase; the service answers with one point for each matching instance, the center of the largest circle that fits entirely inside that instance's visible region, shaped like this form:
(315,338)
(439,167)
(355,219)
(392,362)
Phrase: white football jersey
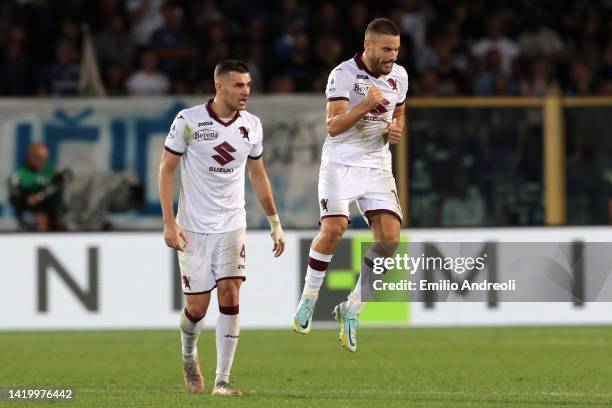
(213,158)
(363,145)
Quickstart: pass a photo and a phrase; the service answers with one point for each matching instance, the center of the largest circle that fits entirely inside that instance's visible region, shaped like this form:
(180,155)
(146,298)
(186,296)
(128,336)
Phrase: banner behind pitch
(124,281)
(131,280)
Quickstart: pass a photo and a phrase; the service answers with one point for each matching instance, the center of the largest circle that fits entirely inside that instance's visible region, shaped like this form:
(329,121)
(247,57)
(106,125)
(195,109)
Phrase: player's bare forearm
(167,168)
(399,116)
(263,192)
(340,118)
(174,236)
(261,185)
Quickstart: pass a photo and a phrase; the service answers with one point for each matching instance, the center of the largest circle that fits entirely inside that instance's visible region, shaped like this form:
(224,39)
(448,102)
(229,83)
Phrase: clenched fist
(394,132)
(373,97)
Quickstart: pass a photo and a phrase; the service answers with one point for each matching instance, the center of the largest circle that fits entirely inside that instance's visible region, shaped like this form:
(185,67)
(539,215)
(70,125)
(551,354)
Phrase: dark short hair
(382,26)
(225,66)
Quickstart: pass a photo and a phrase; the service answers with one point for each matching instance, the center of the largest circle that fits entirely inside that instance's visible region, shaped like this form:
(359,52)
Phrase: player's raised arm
(340,118)
(173,234)
(263,192)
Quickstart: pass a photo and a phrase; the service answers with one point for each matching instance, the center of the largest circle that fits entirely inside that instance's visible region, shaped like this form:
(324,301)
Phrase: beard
(383,67)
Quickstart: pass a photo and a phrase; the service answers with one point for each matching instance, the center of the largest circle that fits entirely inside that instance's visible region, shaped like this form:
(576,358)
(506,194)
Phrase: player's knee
(388,237)
(332,232)
(197,310)
(229,292)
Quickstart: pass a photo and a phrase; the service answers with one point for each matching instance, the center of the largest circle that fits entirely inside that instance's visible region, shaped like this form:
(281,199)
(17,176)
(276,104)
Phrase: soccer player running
(213,142)
(365,113)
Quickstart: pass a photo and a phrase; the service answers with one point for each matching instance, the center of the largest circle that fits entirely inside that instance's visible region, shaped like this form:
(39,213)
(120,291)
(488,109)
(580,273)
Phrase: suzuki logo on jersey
(392,83)
(380,108)
(224,156)
(244,132)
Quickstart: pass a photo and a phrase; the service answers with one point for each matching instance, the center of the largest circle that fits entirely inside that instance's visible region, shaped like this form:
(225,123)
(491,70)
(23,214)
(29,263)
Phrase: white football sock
(189,335)
(315,273)
(228,331)
(358,298)
(354,305)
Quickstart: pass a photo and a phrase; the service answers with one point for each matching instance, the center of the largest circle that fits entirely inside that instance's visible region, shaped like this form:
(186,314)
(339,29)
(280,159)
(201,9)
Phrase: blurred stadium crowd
(466,47)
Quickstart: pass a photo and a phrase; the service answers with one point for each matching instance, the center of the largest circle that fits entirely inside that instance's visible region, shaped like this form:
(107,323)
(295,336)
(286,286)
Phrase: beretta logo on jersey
(361,87)
(204,135)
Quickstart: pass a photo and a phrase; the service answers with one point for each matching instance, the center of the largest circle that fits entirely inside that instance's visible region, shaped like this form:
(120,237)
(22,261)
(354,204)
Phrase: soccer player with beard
(214,142)
(365,113)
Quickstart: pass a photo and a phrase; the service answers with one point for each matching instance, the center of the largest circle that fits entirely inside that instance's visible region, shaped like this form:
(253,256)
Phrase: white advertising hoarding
(131,280)
(125,281)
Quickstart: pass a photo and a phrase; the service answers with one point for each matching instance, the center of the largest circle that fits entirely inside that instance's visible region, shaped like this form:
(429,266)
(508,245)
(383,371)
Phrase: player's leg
(336,190)
(191,324)
(198,282)
(381,209)
(229,269)
(228,332)
(321,252)
(386,231)
(385,227)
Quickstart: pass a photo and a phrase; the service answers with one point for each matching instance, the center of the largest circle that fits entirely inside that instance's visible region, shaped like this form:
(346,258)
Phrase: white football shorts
(374,191)
(210,258)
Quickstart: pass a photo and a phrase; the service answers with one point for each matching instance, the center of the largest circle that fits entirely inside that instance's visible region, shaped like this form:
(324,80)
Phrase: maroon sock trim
(317,265)
(229,310)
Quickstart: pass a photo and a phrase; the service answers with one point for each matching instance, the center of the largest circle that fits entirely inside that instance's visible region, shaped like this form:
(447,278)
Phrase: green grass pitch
(466,367)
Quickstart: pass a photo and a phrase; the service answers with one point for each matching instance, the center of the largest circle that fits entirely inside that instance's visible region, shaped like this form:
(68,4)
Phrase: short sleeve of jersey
(176,141)
(339,85)
(403,87)
(257,149)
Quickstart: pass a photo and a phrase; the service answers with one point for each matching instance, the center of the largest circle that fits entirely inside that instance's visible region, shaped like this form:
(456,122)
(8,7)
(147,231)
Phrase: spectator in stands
(581,80)
(299,66)
(62,77)
(283,33)
(115,50)
(414,24)
(172,43)
(540,82)
(34,191)
(114,45)
(146,17)
(16,76)
(148,80)
(605,71)
(464,206)
(353,33)
(451,80)
(538,40)
(491,79)
(495,40)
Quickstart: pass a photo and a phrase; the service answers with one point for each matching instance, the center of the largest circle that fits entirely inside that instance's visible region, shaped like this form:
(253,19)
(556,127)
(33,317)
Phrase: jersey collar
(214,116)
(362,66)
